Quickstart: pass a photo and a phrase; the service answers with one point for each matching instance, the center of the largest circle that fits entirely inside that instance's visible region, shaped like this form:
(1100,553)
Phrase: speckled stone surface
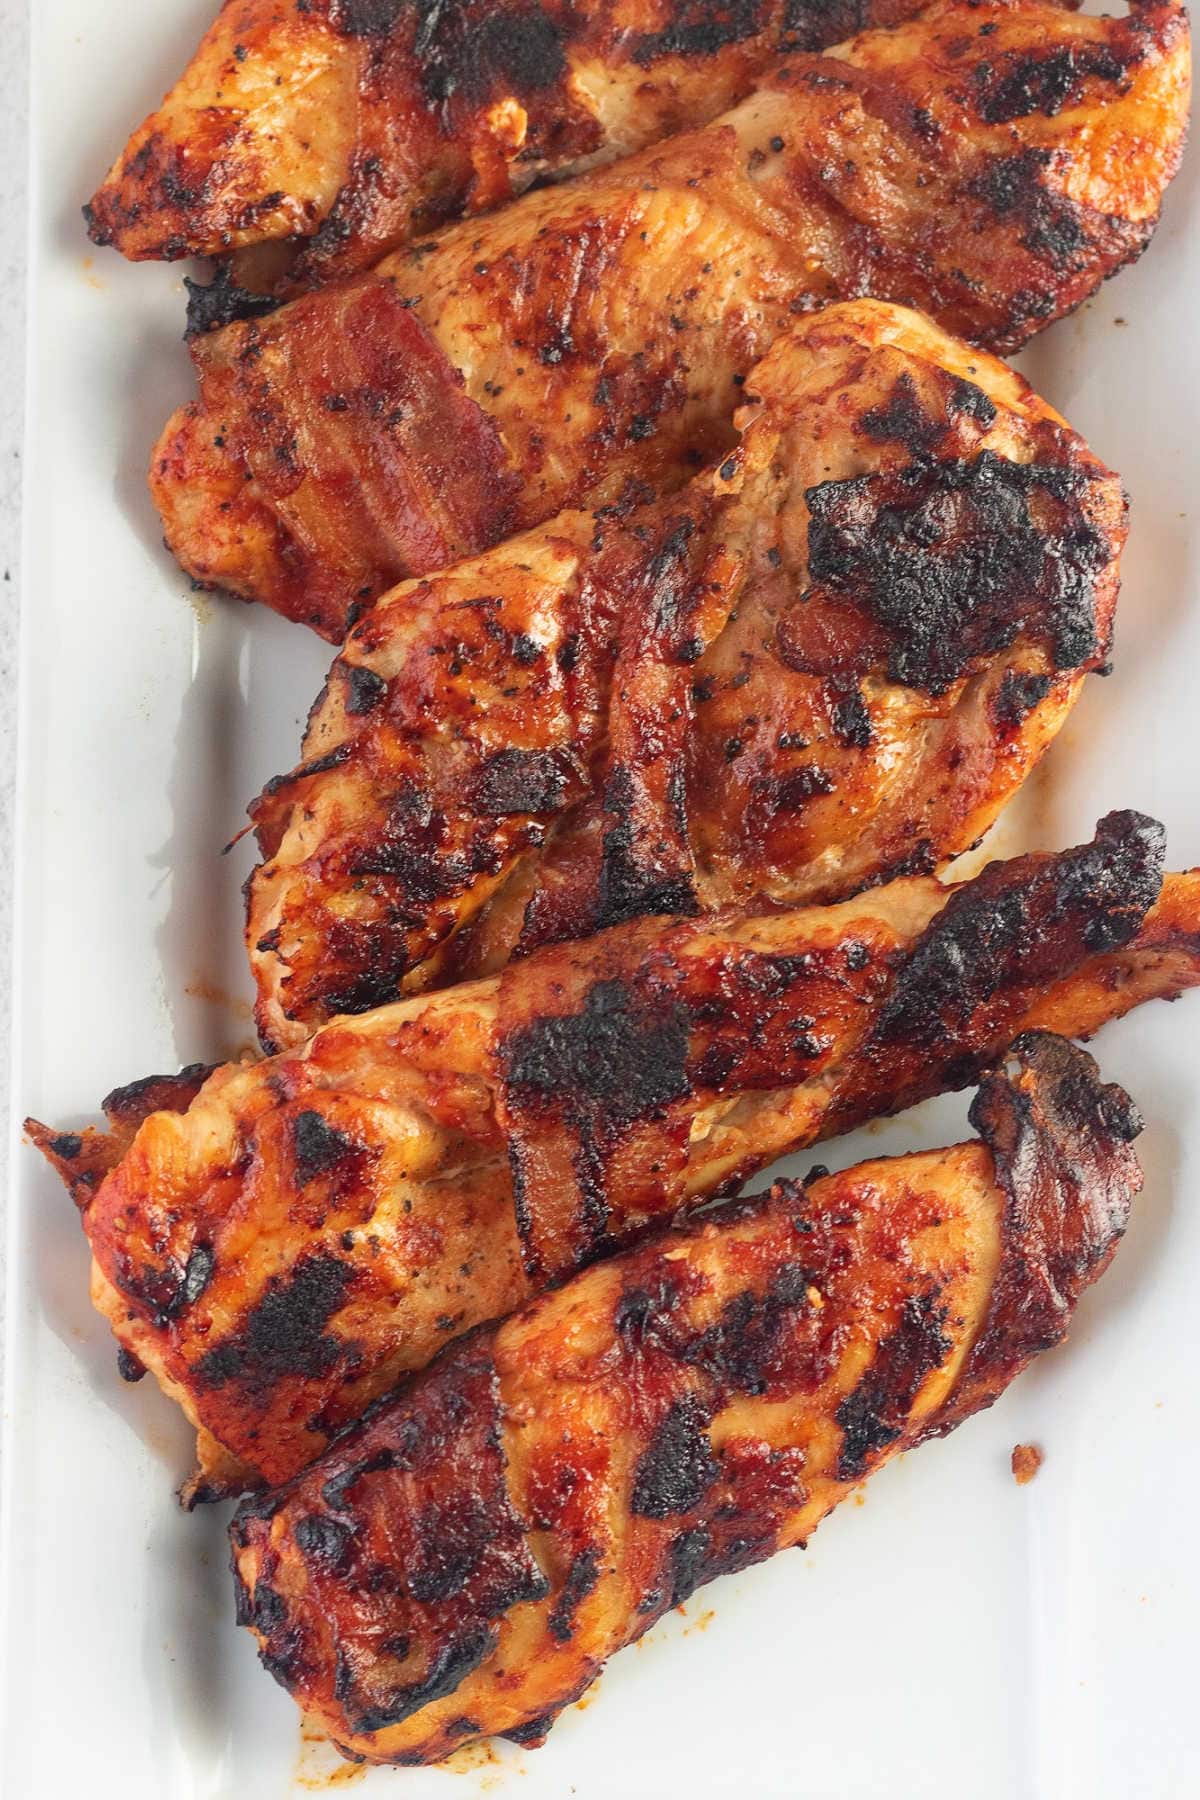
(13,151)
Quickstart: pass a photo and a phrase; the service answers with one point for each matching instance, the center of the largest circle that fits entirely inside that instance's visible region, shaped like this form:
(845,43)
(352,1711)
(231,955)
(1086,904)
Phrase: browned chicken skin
(832,657)
(466,1560)
(304,1230)
(988,163)
(333,130)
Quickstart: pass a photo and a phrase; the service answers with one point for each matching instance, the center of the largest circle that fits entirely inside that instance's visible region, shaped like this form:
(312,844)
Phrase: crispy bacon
(988,163)
(466,1560)
(314,1225)
(834,655)
(333,130)
(363,444)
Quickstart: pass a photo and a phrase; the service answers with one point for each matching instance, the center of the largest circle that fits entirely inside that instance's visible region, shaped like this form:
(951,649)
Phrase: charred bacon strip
(336,129)
(834,655)
(465,1561)
(315,1225)
(990,164)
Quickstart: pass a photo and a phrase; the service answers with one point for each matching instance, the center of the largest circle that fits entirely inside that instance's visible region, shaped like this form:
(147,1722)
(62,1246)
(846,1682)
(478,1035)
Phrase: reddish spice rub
(314,1225)
(328,131)
(833,656)
(990,164)
(465,1560)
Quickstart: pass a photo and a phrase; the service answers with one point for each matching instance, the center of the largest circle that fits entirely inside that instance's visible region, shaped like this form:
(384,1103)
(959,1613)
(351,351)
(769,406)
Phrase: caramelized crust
(832,657)
(317,1224)
(333,130)
(466,1560)
(988,163)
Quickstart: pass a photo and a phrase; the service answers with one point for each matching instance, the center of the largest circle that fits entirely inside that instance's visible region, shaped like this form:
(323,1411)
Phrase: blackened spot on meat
(156,1093)
(792,792)
(518,781)
(743,1349)
(621,1058)
(67,1145)
(320,765)
(1022,922)
(317,1146)
(365,690)
(1012,187)
(627,890)
(688,1555)
(471,53)
(1017,696)
(255,1507)
(1116,1112)
(368,18)
(198,1273)
(632,884)
(168,1289)
(848,715)
(269,1609)
(699,28)
(376,987)
(1118,882)
(452,1537)
(129,1367)
(1042,83)
(567,654)
(343,1676)
(220,302)
(526,650)
(874,1415)
(677,1468)
(447,1671)
(582,1576)
(903,420)
(638,1311)
(666,575)
(97,232)
(965,397)
(532,1732)
(324,1541)
(411,847)
(350,213)
(284,1661)
(285,1334)
(921,859)
(954,559)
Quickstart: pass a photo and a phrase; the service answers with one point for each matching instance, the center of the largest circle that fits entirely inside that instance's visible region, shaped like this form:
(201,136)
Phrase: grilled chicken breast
(832,656)
(332,130)
(988,163)
(466,1561)
(304,1230)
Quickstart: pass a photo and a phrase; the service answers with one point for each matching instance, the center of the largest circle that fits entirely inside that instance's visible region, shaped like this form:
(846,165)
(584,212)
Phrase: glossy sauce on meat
(988,164)
(831,658)
(302,1231)
(465,1561)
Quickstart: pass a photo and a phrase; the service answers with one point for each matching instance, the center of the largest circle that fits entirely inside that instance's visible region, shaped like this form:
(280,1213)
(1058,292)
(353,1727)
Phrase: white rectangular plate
(955,1634)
